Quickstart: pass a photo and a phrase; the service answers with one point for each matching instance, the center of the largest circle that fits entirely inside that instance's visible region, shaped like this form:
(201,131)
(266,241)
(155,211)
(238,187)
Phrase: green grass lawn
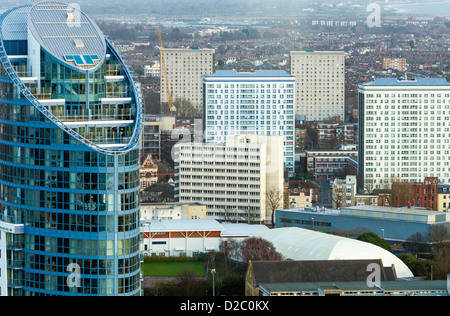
(172,268)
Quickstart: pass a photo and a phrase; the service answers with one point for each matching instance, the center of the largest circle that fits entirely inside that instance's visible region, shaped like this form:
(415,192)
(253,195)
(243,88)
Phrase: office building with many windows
(258,103)
(232,179)
(319,84)
(404,129)
(70,123)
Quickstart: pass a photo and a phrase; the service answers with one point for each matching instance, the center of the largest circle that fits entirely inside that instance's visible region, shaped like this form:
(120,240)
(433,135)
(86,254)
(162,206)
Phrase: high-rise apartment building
(404,131)
(70,116)
(185,71)
(233,178)
(319,84)
(258,103)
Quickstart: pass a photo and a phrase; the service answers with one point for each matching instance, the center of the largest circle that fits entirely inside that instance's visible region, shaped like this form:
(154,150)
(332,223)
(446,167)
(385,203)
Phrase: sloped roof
(15,24)
(63,30)
(304,244)
(315,271)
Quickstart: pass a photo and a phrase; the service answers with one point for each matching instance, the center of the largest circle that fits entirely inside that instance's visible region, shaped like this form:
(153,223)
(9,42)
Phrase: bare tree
(437,236)
(442,264)
(250,215)
(414,243)
(338,196)
(228,215)
(274,200)
(397,193)
(230,250)
(257,249)
(402,194)
(186,280)
(185,109)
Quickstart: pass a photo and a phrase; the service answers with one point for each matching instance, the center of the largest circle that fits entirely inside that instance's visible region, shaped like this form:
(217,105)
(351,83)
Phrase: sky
(204,8)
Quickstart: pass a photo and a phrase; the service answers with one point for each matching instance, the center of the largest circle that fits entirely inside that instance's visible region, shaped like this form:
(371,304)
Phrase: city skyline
(210,148)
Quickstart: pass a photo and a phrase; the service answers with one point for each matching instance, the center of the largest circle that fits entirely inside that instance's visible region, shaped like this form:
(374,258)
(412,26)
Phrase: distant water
(430,8)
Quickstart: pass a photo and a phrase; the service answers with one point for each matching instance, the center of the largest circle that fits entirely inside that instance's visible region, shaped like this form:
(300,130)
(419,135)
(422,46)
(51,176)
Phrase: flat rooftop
(416,82)
(257,73)
(182,225)
(379,212)
(387,286)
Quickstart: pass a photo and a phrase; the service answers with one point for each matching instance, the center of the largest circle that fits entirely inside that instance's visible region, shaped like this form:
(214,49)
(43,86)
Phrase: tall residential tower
(404,131)
(319,84)
(70,116)
(258,103)
(185,70)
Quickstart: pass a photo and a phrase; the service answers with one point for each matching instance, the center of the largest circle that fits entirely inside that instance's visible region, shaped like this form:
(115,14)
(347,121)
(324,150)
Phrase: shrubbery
(155,259)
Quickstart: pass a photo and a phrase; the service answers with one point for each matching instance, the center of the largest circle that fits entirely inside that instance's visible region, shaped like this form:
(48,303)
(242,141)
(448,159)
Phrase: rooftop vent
(78,43)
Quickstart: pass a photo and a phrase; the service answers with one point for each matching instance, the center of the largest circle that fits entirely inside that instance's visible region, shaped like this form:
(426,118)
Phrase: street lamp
(213,272)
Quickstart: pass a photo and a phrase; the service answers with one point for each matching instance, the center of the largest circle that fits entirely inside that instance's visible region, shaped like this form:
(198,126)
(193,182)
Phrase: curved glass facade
(70,176)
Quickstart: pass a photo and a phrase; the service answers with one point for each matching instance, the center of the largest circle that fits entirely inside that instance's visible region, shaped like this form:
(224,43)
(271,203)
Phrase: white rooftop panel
(63,30)
(242,230)
(303,244)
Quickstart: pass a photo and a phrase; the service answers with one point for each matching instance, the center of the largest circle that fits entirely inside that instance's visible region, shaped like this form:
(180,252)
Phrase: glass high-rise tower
(70,122)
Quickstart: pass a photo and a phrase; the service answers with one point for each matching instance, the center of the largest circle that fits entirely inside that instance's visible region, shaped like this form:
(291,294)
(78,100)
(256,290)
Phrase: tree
(186,281)
(257,249)
(229,249)
(228,215)
(250,215)
(338,196)
(375,240)
(274,200)
(438,237)
(418,267)
(397,193)
(185,109)
(312,137)
(441,264)
(414,243)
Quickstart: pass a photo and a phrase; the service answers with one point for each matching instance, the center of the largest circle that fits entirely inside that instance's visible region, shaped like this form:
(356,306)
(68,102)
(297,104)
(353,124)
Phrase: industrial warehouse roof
(303,244)
(397,214)
(415,82)
(67,34)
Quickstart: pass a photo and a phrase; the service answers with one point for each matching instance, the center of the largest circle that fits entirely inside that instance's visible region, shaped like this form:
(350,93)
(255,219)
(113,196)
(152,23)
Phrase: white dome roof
(303,244)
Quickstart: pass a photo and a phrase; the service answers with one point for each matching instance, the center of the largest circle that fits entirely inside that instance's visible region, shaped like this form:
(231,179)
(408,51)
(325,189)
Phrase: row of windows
(84,247)
(69,180)
(60,158)
(93,286)
(81,223)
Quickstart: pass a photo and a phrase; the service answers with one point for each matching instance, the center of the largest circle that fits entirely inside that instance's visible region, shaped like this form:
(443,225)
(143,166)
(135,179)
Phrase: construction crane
(172,109)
